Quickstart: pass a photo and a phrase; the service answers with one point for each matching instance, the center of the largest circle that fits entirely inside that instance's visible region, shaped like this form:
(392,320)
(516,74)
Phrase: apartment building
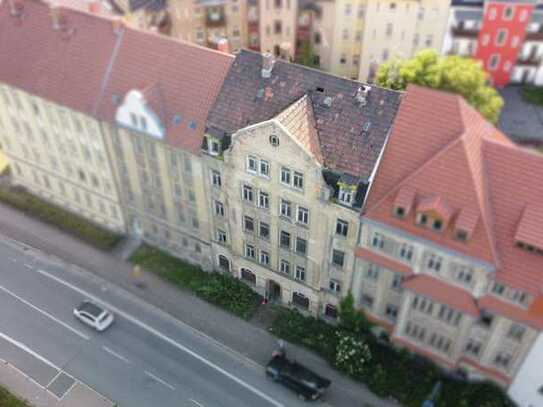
(450,247)
(288,174)
(399,29)
(277,21)
(506,36)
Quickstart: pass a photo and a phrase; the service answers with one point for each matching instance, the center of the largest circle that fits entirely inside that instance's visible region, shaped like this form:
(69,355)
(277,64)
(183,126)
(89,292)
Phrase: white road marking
(118,356)
(22,346)
(165,339)
(53,379)
(158,379)
(58,321)
(195,402)
(29,266)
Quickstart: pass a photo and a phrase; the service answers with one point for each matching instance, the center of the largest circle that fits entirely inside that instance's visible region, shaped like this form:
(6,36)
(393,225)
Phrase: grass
(54,215)
(533,94)
(9,400)
(220,289)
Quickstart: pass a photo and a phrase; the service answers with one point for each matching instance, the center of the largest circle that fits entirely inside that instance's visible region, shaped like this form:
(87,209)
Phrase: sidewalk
(27,389)
(242,336)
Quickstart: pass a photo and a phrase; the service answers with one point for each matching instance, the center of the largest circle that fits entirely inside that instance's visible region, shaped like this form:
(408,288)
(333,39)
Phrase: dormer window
(399,212)
(345,196)
(437,224)
(422,219)
(214,147)
(461,235)
(498,289)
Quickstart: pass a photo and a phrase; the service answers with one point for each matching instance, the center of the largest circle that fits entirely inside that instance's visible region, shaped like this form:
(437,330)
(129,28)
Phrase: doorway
(273,291)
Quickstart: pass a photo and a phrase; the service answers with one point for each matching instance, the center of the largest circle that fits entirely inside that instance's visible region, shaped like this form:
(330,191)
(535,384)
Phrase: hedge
(220,289)
(7,399)
(67,221)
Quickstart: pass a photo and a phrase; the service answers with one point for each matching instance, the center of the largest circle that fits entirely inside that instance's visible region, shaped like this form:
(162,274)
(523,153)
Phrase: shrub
(350,319)
(352,354)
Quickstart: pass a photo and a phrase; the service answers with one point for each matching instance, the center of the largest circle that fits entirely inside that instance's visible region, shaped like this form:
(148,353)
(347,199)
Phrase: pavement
(238,345)
(521,121)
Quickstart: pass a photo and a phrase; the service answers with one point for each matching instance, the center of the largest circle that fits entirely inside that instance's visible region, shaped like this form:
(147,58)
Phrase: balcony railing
(462,32)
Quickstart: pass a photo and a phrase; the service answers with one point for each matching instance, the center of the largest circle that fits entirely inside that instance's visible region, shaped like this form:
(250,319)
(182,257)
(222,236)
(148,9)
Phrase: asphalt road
(146,358)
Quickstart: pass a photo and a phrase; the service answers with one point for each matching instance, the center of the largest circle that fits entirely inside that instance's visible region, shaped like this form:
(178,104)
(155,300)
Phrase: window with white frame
(502,359)
(423,304)
(300,300)
(516,332)
(406,251)
(498,288)
(415,331)
(301,246)
(219,208)
(303,215)
(285,176)
(449,315)
(300,273)
(463,274)
(298,180)
(250,251)
(248,224)
(264,258)
(372,272)
(334,286)
(284,267)
(378,240)
(252,164)
(346,196)
(221,236)
(391,312)
(214,146)
(338,258)
(263,200)
(434,262)
(501,37)
(286,209)
(473,347)
(397,281)
(216,178)
(248,193)
(284,240)
(342,227)
(440,343)
(264,168)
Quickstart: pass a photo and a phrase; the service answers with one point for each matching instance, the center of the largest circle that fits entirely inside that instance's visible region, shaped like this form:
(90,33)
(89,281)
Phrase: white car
(94,315)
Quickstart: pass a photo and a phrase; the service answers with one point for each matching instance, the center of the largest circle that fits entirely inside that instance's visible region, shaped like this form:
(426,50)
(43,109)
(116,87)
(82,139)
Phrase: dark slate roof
(152,5)
(351,136)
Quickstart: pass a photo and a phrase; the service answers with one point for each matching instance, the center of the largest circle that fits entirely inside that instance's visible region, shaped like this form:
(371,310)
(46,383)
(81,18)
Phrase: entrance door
(273,291)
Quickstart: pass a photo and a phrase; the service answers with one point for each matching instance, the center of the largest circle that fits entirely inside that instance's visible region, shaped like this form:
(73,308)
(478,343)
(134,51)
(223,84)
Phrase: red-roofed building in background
(459,206)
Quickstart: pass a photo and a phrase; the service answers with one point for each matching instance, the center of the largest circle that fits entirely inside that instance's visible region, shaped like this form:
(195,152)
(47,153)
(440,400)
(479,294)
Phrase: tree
(350,319)
(464,76)
(307,55)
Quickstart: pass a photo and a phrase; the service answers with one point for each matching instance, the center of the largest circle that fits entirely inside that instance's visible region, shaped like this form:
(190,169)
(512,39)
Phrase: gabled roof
(299,120)
(440,146)
(247,98)
(93,62)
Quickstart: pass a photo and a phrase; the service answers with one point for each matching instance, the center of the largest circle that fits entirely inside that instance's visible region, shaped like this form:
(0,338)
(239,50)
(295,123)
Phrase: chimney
(56,17)
(95,7)
(362,94)
(223,46)
(268,61)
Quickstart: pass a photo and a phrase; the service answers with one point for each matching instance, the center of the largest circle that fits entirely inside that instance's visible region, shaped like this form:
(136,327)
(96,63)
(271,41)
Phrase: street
(146,358)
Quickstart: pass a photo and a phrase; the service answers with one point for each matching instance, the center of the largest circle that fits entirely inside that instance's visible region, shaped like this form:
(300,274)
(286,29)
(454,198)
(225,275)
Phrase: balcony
(215,16)
(463,32)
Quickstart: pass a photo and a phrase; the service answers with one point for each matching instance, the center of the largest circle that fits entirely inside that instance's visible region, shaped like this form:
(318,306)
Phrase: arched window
(224,263)
(248,276)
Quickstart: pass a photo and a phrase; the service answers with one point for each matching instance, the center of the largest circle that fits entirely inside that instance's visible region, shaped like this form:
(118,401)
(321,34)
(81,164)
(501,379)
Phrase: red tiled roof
(299,120)
(436,204)
(442,292)
(383,261)
(466,221)
(532,316)
(405,198)
(89,64)
(530,227)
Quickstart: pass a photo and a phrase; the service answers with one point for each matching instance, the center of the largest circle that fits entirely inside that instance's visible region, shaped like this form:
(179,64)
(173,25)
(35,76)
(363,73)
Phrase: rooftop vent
(327,101)
(362,94)
(268,61)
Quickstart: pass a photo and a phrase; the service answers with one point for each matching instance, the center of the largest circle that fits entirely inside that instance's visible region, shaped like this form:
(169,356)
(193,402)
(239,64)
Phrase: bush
(350,319)
(9,400)
(533,94)
(222,290)
(54,215)
(352,354)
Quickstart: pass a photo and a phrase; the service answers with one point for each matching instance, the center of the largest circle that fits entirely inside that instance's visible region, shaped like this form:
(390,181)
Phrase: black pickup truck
(307,384)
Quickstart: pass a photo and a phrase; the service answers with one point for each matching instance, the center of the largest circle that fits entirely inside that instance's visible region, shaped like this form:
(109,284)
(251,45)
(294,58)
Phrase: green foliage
(388,372)
(67,221)
(533,94)
(9,400)
(307,55)
(464,76)
(351,319)
(222,290)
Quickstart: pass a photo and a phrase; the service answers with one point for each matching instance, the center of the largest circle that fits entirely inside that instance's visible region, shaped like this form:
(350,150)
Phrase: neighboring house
(506,36)
(144,14)
(292,152)
(450,253)
(278,26)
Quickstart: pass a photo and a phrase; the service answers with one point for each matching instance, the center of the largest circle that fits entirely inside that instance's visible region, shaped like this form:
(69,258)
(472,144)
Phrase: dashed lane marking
(159,380)
(115,354)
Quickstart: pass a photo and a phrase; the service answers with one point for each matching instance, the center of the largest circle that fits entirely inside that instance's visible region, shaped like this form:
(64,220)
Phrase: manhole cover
(60,386)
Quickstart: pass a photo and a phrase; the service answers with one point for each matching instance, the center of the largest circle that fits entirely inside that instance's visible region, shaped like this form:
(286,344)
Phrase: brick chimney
(223,46)
(268,61)
(95,7)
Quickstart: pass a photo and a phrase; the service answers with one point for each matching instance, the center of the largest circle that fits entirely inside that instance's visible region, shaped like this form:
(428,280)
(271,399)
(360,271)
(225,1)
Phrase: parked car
(306,383)
(94,315)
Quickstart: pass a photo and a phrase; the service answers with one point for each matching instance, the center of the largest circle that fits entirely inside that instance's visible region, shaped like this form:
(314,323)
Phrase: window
(343,59)
(334,286)
(277,27)
(284,267)
(448,315)
(298,180)
(437,224)
(301,246)
(486,319)
(406,251)
(214,147)
(342,227)
(338,258)
(498,289)
(345,34)
(285,175)
(277,3)
(303,215)
(284,240)
(502,360)
(508,13)
(422,219)
(372,273)
(248,276)
(461,235)
(378,240)
(501,37)
(434,262)
(391,312)
(348,9)
(330,311)
(248,224)
(264,230)
(345,196)
(252,164)
(195,223)
(300,300)
(216,178)
(317,38)
(224,263)
(415,331)
(493,62)
(423,305)
(264,258)
(399,212)
(300,273)
(397,281)
(274,140)
(388,31)
(219,208)
(440,343)
(473,347)
(463,274)
(286,208)
(516,332)
(367,300)
(247,193)
(264,168)
(221,236)
(249,251)
(263,200)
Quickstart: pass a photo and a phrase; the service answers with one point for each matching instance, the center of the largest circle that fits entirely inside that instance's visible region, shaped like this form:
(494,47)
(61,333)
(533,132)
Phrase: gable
(134,113)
